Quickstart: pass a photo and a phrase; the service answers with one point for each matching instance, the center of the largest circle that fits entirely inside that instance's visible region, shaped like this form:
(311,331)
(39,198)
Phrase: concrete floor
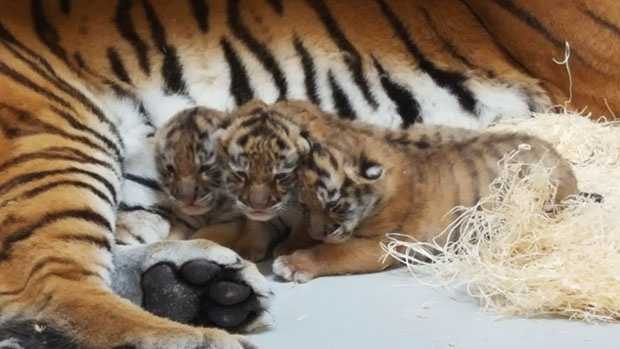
(391,310)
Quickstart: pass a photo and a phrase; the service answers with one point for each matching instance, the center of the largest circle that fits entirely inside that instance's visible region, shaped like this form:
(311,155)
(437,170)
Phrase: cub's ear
(253,106)
(364,170)
(221,128)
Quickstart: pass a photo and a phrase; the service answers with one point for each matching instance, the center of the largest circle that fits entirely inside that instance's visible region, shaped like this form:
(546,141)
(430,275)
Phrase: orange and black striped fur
(361,185)
(85,84)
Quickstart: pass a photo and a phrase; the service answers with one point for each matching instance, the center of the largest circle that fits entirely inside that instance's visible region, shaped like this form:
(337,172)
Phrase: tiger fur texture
(85,85)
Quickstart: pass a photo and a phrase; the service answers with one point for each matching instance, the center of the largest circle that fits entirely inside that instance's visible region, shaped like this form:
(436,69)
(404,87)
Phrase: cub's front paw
(298,267)
(195,282)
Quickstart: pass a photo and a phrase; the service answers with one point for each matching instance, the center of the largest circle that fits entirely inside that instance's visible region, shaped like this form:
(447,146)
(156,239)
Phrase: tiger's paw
(195,282)
(297,267)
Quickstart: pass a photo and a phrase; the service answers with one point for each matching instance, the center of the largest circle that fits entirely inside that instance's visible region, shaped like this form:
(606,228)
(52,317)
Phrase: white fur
(498,101)
(374,172)
(162,106)
(10,343)
(192,249)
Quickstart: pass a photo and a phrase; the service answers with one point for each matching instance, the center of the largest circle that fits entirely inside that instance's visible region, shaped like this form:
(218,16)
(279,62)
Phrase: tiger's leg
(58,188)
(356,255)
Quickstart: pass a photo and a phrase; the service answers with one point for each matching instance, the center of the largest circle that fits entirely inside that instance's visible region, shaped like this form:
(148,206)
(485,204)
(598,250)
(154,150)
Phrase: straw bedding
(515,255)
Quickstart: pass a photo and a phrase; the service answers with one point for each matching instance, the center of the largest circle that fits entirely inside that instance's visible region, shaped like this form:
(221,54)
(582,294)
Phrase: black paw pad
(168,295)
(199,293)
(200,271)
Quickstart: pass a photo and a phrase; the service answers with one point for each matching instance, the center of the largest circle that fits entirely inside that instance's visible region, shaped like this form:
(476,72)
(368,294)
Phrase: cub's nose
(259,196)
(185,191)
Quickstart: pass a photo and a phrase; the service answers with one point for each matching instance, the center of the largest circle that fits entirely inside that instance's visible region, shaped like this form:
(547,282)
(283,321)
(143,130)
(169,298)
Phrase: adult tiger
(84,84)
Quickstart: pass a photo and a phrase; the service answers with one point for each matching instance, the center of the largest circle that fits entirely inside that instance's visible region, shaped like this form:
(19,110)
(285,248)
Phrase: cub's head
(261,150)
(187,161)
(341,189)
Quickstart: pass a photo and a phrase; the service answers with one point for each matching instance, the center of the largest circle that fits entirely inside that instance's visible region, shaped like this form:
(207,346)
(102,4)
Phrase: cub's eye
(283,176)
(289,165)
(204,168)
(240,174)
(170,169)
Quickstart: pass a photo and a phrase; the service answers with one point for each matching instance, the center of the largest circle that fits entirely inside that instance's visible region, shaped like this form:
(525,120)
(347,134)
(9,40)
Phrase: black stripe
(118,90)
(56,153)
(447,45)
(118,68)
(65,6)
(530,20)
(47,219)
(260,51)
(147,182)
(38,266)
(52,77)
(46,32)
(603,22)
(406,105)
(341,101)
(200,10)
(277,6)
(239,81)
(73,122)
(65,183)
(44,127)
(99,241)
(499,43)
(451,80)
(535,24)
(307,64)
(127,29)
(161,211)
(22,80)
(154,210)
(352,57)
(17,181)
(171,69)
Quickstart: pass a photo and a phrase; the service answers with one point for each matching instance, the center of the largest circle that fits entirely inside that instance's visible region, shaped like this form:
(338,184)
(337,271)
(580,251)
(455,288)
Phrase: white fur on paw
(286,270)
(10,343)
(230,342)
(179,252)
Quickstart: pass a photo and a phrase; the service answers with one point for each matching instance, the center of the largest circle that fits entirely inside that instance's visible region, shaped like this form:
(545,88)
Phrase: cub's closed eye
(240,174)
(205,168)
(283,175)
(170,169)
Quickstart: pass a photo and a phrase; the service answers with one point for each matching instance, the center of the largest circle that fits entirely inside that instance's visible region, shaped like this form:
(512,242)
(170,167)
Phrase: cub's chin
(260,215)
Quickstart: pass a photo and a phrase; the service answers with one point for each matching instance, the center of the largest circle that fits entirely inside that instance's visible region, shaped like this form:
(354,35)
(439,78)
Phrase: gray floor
(391,310)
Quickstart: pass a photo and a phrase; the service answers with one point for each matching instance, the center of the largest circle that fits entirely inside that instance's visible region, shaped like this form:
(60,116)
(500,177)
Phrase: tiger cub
(264,146)
(360,185)
(191,176)
(261,153)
